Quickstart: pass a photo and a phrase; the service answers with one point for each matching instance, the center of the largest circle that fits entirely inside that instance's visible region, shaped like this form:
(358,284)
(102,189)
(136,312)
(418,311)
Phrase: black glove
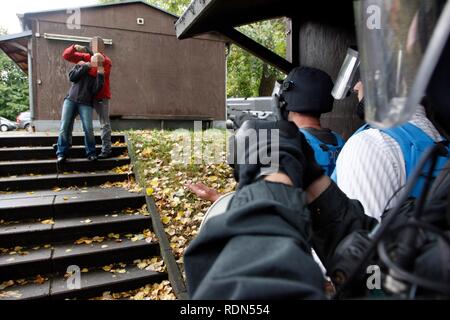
(88,50)
(256,152)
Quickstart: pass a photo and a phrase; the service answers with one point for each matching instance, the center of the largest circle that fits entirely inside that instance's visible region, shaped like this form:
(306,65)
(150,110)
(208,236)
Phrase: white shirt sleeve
(371,169)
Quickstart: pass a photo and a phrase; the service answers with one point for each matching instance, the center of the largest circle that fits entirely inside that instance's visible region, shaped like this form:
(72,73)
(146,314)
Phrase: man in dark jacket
(80,101)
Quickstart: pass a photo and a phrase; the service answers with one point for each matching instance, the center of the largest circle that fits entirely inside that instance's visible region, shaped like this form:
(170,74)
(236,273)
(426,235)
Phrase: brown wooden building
(155,77)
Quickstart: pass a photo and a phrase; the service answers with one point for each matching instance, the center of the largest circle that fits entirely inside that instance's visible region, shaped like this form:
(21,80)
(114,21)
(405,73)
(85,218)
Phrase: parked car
(7,125)
(24,120)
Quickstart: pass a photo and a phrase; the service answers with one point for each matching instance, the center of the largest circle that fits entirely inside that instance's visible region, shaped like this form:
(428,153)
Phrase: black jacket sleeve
(98,84)
(335,216)
(77,72)
(258,249)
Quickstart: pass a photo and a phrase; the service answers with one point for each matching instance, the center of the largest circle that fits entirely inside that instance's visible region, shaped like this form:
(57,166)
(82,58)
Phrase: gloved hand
(260,148)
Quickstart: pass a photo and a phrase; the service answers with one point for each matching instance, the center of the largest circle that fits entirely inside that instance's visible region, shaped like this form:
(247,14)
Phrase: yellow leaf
(146,153)
(180,214)
(213,178)
(154,182)
(107,268)
(85,270)
(165,219)
(49,221)
(150,191)
(66,198)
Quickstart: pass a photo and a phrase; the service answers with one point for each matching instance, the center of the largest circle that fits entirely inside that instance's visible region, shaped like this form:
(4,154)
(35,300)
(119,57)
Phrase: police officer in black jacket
(260,248)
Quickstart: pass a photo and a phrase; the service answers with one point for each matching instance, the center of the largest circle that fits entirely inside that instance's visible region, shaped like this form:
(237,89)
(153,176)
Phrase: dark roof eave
(30,14)
(16,36)
(18,58)
(204,16)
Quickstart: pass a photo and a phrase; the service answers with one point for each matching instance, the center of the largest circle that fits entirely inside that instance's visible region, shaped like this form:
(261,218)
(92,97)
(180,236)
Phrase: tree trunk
(267,82)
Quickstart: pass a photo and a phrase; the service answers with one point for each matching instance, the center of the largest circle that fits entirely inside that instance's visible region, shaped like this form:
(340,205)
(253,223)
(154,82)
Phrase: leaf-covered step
(109,276)
(97,282)
(49,140)
(42,153)
(87,252)
(9,168)
(49,230)
(34,288)
(60,203)
(50,181)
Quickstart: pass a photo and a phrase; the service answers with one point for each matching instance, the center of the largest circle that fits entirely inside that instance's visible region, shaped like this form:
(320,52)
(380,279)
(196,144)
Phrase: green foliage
(13,87)
(248,76)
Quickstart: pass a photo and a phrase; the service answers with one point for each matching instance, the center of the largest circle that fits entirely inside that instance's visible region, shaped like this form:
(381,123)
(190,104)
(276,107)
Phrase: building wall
(155,76)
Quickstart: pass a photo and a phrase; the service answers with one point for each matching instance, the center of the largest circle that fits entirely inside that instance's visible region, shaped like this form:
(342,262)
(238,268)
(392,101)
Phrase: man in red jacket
(76,53)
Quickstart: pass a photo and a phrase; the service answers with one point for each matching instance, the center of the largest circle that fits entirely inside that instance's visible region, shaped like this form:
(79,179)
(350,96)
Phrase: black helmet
(307,90)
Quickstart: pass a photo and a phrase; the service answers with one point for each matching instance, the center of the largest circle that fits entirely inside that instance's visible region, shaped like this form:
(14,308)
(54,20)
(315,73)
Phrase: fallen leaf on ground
(48,221)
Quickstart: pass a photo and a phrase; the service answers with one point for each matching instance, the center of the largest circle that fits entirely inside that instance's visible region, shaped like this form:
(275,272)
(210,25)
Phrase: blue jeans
(69,113)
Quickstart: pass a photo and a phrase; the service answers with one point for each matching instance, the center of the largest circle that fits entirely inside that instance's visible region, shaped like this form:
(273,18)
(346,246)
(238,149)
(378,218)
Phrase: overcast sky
(10,8)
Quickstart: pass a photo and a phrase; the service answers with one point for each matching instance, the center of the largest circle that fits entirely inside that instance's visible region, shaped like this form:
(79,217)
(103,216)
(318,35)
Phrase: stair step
(97,200)
(22,233)
(30,291)
(93,284)
(61,256)
(49,181)
(41,153)
(96,254)
(15,208)
(20,266)
(70,228)
(49,140)
(8,168)
(75,227)
(23,206)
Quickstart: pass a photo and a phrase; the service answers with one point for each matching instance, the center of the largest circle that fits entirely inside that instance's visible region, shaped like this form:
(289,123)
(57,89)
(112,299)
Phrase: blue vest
(325,154)
(413,143)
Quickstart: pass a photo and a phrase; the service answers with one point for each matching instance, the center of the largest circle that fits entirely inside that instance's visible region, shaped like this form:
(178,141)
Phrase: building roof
(97,6)
(214,15)
(224,15)
(15,46)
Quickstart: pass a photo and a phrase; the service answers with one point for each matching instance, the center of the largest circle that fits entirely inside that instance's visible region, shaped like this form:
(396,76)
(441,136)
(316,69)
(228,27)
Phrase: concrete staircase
(52,218)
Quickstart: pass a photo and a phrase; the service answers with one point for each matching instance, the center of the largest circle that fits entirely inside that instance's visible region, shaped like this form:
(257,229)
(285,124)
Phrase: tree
(248,76)
(13,87)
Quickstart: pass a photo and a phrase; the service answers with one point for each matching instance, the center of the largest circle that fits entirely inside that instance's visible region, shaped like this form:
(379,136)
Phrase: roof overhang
(224,15)
(213,15)
(15,46)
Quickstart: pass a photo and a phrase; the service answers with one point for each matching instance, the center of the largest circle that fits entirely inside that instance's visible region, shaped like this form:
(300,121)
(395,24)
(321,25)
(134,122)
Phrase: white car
(7,125)
(23,120)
